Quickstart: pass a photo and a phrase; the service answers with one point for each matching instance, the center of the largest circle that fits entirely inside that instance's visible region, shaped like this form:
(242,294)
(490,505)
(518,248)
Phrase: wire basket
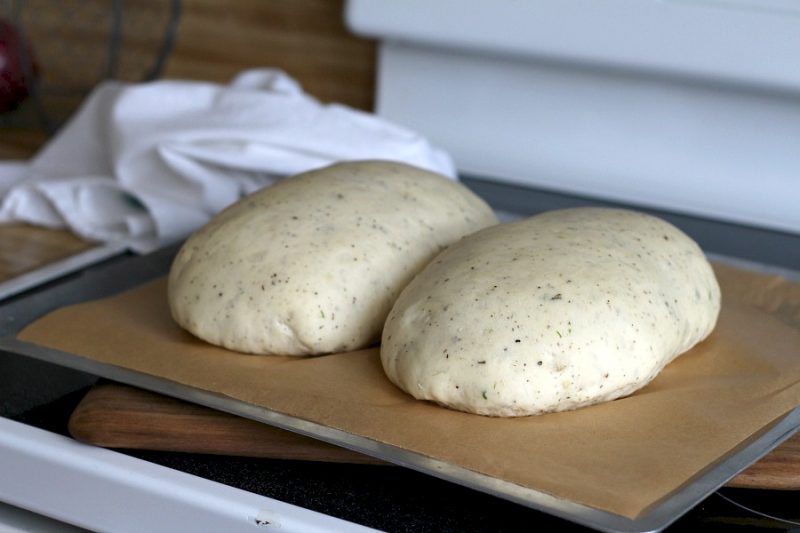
(78,43)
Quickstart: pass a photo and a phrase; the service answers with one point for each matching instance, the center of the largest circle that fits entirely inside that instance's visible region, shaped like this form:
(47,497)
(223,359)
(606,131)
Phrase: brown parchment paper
(622,456)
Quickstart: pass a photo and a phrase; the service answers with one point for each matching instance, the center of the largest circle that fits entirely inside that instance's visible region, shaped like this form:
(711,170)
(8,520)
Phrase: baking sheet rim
(656,518)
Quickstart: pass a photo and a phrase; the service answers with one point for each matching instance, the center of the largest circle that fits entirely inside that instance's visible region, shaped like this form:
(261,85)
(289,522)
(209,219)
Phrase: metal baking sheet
(133,271)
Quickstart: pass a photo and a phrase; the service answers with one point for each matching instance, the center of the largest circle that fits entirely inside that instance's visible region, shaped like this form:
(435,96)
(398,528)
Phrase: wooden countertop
(24,248)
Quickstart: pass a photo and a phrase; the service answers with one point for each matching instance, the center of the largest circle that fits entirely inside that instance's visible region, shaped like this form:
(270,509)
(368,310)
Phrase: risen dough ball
(313,264)
(559,311)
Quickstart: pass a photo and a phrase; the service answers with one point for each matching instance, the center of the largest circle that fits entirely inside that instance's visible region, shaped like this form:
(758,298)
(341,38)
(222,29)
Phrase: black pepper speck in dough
(559,311)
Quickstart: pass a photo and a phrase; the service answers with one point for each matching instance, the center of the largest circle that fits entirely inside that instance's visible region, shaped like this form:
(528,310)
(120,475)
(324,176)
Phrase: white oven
(690,106)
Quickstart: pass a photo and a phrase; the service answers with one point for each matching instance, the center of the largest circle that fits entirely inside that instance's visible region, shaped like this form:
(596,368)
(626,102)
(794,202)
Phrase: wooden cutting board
(119,416)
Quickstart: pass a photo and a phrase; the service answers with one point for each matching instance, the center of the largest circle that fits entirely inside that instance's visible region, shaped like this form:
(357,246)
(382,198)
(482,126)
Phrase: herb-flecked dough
(313,264)
(559,311)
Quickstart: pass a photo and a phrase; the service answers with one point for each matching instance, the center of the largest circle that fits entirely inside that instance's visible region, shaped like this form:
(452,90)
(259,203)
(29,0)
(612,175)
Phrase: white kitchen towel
(148,163)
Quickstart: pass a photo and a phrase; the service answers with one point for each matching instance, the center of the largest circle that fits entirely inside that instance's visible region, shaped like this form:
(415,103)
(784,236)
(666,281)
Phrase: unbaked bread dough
(559,311)
(313,264)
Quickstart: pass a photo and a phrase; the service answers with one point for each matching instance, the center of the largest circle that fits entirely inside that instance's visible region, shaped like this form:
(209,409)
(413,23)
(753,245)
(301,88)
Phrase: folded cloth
(149,163)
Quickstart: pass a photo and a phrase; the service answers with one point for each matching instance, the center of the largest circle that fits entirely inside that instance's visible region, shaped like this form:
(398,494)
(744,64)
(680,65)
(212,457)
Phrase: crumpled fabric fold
(149,163)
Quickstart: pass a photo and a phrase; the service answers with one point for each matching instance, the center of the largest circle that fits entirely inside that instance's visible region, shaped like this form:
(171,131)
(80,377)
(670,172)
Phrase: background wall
(306,38)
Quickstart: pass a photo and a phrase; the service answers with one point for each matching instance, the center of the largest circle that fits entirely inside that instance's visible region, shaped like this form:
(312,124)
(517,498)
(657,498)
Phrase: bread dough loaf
(313,264)
(559,311)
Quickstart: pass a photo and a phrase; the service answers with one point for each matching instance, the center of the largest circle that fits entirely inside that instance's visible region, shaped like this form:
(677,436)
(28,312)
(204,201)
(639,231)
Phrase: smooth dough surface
(313,264)
(562,310)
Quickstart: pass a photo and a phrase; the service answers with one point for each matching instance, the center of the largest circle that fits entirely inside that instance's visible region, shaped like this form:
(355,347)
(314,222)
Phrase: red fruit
(17,69)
